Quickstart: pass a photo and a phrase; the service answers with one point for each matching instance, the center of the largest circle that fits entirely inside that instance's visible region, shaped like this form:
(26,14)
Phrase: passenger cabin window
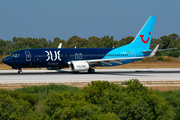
(115,55)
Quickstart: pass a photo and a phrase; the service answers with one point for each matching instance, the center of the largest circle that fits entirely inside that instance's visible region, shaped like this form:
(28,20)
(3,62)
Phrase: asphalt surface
(63,76)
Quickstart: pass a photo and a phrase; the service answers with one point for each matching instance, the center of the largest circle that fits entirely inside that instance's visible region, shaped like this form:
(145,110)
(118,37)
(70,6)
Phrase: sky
(86,18)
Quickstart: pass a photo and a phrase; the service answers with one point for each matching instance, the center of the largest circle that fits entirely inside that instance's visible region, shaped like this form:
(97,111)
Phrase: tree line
(100,100)
(18,43)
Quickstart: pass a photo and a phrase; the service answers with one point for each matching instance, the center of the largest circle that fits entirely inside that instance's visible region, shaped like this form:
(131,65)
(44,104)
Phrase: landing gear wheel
(19,71)
(91,71)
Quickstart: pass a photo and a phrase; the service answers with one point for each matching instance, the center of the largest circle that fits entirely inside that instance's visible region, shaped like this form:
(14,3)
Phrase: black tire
(91,71)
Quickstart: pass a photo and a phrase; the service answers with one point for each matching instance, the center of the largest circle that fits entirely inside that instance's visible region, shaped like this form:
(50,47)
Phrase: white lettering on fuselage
(81,66)
(56,55)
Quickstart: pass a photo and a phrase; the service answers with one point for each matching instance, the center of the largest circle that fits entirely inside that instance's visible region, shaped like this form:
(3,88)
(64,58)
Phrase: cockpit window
(11,55)
(14,55)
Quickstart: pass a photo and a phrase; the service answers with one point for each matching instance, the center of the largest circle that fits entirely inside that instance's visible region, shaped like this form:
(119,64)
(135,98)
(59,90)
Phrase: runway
(63,76)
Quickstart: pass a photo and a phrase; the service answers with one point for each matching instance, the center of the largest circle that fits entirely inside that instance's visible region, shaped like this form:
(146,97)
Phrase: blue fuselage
(52,57)
(59,57)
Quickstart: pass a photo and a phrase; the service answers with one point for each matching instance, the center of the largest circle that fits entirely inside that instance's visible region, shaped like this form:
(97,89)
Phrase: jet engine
(76,66)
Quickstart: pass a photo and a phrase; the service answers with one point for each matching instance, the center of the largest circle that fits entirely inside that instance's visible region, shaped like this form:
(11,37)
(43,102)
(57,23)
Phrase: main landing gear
(91,70)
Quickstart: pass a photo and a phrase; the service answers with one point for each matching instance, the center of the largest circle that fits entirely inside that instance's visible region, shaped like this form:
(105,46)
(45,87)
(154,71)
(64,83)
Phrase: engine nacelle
(78,66)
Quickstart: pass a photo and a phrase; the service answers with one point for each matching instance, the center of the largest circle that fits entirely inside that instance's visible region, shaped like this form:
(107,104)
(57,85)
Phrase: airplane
(85,59)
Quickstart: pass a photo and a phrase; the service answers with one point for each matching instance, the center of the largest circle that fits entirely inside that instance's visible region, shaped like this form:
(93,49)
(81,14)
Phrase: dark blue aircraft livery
(85,59)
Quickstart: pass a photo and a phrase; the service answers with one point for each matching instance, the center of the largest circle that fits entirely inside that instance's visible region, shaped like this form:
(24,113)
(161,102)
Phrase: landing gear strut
(91,70)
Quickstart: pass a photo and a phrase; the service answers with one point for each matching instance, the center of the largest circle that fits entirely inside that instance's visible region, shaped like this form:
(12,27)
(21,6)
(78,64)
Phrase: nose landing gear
(19,71)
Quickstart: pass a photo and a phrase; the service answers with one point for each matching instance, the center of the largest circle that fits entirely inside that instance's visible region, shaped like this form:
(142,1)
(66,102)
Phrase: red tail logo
(143,39)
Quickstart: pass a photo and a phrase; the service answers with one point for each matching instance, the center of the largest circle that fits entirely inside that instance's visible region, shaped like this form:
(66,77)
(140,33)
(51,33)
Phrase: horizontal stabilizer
(160,50)
(167,49)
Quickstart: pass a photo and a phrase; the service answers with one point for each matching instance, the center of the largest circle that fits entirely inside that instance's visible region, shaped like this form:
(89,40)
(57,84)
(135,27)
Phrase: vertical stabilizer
(143,38)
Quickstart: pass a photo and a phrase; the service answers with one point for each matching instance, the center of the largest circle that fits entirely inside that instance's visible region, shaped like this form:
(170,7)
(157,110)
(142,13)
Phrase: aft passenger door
(133,53)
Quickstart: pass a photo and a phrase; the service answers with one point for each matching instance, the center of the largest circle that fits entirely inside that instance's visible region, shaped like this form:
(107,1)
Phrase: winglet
(154,51)
(60,45)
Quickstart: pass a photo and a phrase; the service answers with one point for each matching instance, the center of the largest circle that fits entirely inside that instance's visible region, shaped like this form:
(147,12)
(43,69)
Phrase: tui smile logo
(145,41)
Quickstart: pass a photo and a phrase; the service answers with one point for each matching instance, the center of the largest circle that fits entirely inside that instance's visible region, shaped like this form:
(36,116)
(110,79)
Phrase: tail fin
(143,38)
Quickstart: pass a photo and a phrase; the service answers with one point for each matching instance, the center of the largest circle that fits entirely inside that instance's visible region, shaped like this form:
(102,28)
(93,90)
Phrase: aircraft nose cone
(4,60)
(7,61)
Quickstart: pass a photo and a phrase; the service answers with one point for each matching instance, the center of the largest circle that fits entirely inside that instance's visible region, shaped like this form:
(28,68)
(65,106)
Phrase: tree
(173,53)
(2,43)
(94,42)
(76,41)
(100,100)
(107,42)
(173,44)
(155,42)
(132,102)
(57,41)
(126,40)
(165,41)
(2,46)
(174,36)
(18,43)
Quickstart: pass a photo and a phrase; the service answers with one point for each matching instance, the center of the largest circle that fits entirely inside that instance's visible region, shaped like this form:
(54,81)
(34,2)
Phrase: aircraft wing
(109,61)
